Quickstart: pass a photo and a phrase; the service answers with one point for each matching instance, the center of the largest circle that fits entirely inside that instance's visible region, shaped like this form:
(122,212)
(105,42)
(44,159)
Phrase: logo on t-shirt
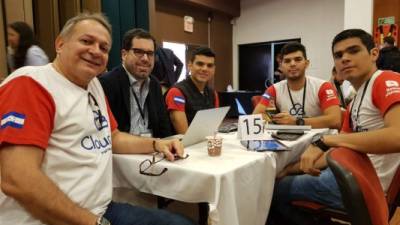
(392,83)
(392,87)
(330,94)
(12,119)
(100,121)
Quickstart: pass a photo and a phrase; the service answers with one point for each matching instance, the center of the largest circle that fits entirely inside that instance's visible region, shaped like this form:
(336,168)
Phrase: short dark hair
(26,40)
(202,51)
(293,47)
(389,40)
(365,38)
(136,33)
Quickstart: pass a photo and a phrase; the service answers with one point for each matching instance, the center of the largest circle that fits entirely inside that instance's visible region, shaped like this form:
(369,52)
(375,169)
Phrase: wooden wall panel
(19,10)
(221,42)
(3,58)
(230,7)
(386,8)
(47,24)
(91,5)
(68,9)
(168,26)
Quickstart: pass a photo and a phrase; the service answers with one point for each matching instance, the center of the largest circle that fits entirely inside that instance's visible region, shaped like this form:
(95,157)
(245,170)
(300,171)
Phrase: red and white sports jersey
(320,95)
(175,100)
(41,107)
(382,92)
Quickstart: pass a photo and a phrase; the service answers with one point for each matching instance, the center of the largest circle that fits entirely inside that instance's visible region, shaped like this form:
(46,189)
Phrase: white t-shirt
(382,92)
(41,107)
(319,95)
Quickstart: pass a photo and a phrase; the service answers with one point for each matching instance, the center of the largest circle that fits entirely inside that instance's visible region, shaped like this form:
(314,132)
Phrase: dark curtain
(124,15)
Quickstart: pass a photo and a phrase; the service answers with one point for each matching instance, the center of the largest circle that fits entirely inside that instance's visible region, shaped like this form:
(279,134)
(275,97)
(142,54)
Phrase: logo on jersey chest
(94,143)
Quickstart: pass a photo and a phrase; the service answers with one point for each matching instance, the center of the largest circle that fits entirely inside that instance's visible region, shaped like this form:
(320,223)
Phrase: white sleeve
(35,56)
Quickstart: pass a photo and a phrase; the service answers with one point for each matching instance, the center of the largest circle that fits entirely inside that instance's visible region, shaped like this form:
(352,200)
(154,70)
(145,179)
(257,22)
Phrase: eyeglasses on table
(146,164)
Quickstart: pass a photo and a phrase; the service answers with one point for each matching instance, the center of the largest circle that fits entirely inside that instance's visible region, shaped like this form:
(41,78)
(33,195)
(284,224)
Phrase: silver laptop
(204,123)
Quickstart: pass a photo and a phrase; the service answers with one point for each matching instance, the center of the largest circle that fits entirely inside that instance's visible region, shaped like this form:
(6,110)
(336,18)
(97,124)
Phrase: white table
(238,185)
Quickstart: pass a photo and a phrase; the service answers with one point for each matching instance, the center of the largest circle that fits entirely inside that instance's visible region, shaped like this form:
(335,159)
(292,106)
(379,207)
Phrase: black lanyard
(359,106)
(303,113)
(340,93)
(138,104)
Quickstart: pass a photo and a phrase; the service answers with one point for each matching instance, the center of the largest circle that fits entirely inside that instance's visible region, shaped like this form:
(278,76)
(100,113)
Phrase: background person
(22,47)
(389,56)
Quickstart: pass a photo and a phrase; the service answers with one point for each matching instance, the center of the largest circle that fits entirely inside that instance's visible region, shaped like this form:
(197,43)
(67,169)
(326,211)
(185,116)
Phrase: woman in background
(22,48)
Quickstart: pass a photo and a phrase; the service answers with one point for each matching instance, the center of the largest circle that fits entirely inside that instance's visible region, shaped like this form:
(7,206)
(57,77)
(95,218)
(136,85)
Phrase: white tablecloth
(238,185)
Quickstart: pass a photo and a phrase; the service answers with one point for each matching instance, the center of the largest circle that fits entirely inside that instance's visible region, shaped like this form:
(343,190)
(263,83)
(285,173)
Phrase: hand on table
(284,118)
(169,148)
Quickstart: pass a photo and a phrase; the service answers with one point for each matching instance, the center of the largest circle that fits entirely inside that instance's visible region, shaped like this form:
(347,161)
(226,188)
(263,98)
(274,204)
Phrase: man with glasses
(134,95)
(57,136)
(301,99)
(192,94)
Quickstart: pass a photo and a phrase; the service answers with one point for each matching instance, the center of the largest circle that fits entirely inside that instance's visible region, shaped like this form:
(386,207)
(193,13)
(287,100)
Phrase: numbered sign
(251,127)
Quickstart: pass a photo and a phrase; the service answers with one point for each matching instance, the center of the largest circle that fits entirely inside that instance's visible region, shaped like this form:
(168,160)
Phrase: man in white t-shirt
(57,136)
(374,112)
(301,99)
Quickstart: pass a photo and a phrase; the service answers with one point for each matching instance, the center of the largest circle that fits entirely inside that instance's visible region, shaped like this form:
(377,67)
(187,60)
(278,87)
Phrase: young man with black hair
(301,99)
(370,126)
(193,94)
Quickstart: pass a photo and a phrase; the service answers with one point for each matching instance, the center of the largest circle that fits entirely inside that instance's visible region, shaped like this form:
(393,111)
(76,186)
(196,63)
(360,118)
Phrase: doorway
(258,63)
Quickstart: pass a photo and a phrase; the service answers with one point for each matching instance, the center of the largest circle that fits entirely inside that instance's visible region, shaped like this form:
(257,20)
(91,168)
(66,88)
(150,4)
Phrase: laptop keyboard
(228,127)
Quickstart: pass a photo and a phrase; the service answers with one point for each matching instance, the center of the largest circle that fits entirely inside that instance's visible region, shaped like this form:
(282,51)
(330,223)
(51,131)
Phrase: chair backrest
(255,100)
(393,193)
(360,187)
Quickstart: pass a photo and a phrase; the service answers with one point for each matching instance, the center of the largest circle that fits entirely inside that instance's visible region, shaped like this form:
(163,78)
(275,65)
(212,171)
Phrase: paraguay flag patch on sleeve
(179,100)
(266,96)
(12,119)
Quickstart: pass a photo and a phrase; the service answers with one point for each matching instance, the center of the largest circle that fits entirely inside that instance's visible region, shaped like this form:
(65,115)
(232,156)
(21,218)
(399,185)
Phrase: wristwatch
(102,221)
(299,121)
(318,140)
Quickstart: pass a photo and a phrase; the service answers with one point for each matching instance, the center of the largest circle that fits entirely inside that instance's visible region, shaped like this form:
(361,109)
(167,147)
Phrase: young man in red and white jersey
(301,99)
(370,126)
(187,97)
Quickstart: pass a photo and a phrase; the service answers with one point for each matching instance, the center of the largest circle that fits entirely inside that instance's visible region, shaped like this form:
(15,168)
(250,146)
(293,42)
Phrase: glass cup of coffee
(214,145)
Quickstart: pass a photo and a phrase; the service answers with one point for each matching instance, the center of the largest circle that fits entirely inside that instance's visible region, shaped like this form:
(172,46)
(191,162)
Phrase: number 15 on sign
(251,127)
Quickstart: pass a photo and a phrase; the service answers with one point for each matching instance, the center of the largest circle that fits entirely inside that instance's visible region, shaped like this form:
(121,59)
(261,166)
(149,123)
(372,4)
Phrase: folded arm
(23,180)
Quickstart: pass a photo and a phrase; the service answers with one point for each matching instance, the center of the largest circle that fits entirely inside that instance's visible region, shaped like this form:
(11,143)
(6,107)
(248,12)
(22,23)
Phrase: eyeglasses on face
(140,53)
(146,164)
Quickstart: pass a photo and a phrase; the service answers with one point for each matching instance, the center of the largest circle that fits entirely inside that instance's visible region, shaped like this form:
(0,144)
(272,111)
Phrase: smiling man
(133,93)
(301,99)
(192,94)
(57,136)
